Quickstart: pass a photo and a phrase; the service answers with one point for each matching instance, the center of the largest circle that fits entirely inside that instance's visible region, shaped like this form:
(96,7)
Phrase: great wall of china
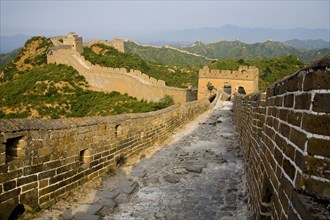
(134,83)
(42,160)
(284,134)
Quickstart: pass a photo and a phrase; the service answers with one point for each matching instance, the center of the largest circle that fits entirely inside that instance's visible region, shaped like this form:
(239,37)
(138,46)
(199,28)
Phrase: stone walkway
(199,174)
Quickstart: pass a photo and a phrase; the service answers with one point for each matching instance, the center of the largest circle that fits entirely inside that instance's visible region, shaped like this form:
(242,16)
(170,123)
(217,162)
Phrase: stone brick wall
(134,83)
(285,135)
(41,160)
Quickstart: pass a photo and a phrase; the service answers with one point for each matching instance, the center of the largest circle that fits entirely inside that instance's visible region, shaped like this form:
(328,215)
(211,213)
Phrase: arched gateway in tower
(243,81)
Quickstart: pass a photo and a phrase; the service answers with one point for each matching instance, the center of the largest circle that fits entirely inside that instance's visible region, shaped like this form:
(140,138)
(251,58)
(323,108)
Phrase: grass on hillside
(270,69)
(57,91)
(173,76)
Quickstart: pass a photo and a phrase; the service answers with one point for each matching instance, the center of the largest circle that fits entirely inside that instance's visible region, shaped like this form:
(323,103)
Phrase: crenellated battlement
(243,73)
(56,54)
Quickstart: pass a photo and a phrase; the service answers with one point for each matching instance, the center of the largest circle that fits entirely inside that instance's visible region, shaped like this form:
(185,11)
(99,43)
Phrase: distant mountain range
(232,32)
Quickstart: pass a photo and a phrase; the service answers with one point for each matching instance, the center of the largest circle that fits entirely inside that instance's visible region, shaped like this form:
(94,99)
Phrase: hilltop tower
(118,44)
(74,41)
(244,81)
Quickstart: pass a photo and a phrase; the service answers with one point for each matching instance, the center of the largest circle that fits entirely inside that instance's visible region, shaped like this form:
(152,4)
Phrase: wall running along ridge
(134,83)
(41,160)
(285,136)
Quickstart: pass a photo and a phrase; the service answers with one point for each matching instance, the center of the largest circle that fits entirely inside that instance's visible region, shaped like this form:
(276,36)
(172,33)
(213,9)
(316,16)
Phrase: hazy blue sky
(106,19)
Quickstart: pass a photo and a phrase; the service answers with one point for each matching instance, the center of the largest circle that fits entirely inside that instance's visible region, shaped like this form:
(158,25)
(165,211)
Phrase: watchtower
(244,81)
(74,41)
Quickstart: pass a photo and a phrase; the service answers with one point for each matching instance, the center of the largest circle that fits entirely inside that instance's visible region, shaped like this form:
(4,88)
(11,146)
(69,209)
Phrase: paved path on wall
(198,174)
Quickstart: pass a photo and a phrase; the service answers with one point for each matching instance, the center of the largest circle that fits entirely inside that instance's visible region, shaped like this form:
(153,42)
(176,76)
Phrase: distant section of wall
(116,43)
(285,136)
(134,83)
(246,77)
(41,160)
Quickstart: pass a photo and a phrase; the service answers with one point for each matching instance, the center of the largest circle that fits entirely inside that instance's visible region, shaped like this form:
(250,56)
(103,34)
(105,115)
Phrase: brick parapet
(243,73)
(41,160)
(285,134)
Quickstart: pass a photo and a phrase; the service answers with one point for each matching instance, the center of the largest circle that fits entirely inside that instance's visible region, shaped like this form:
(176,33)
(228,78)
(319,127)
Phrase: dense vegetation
(57,91)
(270,69)
(165,56)
(110,57)
(239,50)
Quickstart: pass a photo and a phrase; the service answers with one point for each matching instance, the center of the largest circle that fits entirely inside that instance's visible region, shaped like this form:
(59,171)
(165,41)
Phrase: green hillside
(238,50)
(57,91)
(175,76)
(29,87)
(163,55)
(270,69)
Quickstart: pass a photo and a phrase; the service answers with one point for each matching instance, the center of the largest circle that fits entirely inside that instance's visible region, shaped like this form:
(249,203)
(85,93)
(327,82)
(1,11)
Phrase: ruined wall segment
(285,135)
(245,77)
(41,160)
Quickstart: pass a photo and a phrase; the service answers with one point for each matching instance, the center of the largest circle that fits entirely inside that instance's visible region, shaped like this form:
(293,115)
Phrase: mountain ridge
(308,44)
(233,32)
(223,50)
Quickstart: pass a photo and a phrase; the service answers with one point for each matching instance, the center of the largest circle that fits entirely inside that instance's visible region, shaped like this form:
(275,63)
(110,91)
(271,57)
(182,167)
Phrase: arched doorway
(227,89)
(241,90)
